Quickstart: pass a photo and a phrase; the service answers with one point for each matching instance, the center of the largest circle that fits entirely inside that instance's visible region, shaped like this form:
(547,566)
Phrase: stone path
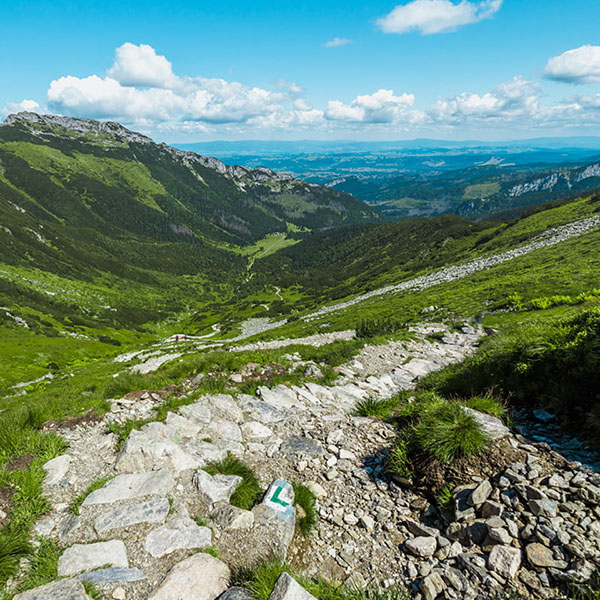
(142,534)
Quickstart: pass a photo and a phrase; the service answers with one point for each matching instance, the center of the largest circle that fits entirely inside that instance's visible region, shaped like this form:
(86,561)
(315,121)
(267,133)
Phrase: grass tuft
(448,432)
(305,499)
(249,491)
(380,409)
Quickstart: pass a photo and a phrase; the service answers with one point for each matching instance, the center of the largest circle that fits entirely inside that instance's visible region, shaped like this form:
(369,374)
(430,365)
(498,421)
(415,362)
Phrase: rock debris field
(534,525)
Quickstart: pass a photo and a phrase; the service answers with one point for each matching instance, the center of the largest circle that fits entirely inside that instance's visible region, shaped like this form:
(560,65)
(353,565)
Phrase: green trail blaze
(276,499)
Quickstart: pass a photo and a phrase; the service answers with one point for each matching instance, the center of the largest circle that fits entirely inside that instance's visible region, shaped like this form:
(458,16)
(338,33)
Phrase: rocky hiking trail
(531,522)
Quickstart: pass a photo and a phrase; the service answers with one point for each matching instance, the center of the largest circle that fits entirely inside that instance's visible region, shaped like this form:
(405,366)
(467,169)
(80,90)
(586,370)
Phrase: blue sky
(187,71)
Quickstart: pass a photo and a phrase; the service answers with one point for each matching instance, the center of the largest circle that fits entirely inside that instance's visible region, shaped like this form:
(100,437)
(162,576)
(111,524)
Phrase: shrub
(248,492)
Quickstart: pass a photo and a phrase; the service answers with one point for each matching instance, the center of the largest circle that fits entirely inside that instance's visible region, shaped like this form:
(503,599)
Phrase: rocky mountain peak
(48,124)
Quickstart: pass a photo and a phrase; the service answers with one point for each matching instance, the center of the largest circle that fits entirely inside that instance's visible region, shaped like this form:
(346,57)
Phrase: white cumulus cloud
(336,41)
(380,107)
(141,88)
(437,16)
(141,66)
(24,105)
(580,65)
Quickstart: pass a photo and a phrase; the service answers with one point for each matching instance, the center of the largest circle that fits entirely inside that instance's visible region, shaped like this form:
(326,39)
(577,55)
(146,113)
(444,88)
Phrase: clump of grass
(449,432)
(43,565)
(13,547)
(487,404)
(96,485)
(248,491)
(380,409)
(306,500)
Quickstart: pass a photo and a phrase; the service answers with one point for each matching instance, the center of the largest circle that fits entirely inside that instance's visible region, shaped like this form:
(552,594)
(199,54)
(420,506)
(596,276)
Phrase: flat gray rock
(113,575)
(65,589)
(134,485)
(224,430)
(198,412)
(200,577)
(147,450)
(150,511)
(181,534)
(260,410)
(85,557)
(493,427)
(301,445)
(225,406)
(287,588)
(56,469)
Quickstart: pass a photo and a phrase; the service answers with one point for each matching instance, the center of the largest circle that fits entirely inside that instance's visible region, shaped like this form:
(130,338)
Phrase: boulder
(432,586)
(56,469)
(85,557)
(134,485)
(480,494)
(181,534)
(200,577)
(215,488)
(423,546)
(539,556)
(64,589)
(505,560)
(287,588)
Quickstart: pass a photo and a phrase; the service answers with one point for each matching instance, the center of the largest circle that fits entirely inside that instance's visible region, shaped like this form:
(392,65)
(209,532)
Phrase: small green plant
(444,498)
(96,485)
(248,492)
(212,550)
(398,462)
(91,590)
(201,521)
(305,499)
